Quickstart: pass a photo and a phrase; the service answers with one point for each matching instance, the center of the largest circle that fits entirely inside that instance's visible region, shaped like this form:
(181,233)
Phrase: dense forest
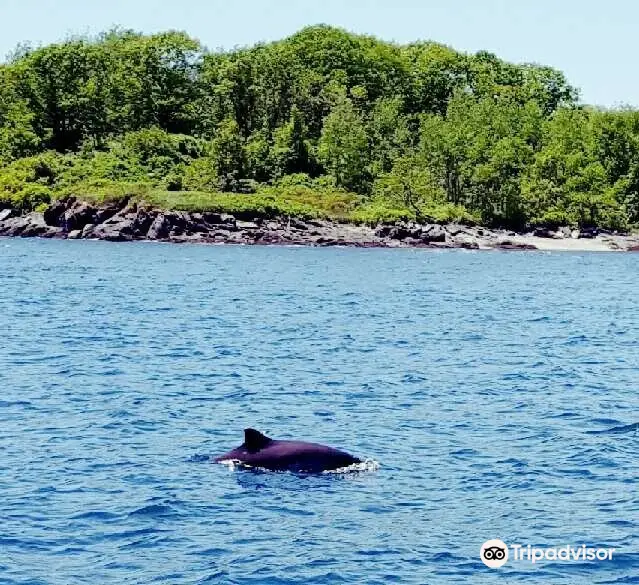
(324,122)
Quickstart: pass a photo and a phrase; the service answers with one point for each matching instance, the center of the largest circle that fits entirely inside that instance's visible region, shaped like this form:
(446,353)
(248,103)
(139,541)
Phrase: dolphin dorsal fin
(254,440)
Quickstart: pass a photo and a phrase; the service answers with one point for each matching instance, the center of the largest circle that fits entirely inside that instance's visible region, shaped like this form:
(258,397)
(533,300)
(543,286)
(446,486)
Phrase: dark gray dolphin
(258,450)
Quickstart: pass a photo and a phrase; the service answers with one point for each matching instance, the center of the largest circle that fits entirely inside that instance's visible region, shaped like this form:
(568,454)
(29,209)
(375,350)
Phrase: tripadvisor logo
(495,553)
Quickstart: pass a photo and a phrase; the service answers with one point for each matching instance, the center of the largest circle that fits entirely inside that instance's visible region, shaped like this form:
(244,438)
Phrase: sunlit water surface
(484,385)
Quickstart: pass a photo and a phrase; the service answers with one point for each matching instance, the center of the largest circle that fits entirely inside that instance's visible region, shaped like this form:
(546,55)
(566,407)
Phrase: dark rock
(297,224)
(323,241)
(76,217)
(142,223)
(87,230)
(180,222)
(211,218)
(454,229)
(239,238)
(247,215)
(228,220)
(508,245)
(382,231)
(113,232)
(433,233)
(274,226)
(196,224)
(588,233)
(53,214)
(106,212)
(399,231)
(167,224)
(468,244)
(49,232)
(13,226)
(542,232)
(72,214)
(159,229)
(34,225)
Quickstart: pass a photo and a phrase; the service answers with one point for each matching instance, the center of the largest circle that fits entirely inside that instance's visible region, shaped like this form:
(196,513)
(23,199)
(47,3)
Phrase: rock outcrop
(128,220)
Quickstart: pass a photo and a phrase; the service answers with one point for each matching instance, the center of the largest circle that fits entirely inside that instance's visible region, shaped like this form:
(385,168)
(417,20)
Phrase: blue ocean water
(497,391)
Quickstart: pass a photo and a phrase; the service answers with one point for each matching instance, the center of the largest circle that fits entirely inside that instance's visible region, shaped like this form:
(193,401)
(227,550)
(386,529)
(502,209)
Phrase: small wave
(606,421)
(543,319)
(199,458)
(7,404)
(153,510)
(366,466)
(95,515)
(566,415)
(633,428)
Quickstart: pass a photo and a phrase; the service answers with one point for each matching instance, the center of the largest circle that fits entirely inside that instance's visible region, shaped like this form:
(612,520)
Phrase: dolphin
(258,450)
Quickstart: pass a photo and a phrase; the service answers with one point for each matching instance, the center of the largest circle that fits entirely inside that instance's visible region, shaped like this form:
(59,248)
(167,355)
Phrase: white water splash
(366,466)
(232,464)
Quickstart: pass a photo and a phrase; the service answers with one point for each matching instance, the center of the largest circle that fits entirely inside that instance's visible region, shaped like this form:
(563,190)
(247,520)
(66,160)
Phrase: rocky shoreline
(128,221)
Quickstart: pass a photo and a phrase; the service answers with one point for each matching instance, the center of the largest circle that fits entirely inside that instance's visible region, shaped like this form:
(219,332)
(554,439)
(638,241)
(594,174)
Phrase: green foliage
(28,182)
(343,146)
(390,135)
(293,200)
(410,185)
(379,210)
(93,89)
(324,123)
(227,154)
(290,151)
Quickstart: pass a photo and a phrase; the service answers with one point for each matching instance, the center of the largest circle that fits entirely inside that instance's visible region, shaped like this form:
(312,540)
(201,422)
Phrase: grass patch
(299,202)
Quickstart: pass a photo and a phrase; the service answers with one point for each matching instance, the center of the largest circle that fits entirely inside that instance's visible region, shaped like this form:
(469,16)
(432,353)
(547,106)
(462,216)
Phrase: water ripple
(497,392)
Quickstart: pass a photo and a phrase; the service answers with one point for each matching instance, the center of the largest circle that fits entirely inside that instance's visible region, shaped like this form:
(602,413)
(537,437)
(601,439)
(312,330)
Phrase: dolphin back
(261,451)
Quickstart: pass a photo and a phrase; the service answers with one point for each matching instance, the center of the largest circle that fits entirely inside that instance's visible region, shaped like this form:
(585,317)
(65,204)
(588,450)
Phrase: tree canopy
(417,130)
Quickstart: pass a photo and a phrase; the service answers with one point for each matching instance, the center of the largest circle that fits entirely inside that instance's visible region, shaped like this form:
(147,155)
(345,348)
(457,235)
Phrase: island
(323,138)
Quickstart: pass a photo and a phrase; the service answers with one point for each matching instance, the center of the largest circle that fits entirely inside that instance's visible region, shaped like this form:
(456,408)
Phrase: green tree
(390,134)
(343,147)
(411,185)
(290,151)
(227,153)
(18,137)
(420,127)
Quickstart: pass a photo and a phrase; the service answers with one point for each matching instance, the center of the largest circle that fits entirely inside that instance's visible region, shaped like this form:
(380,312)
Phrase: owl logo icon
(494,553)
